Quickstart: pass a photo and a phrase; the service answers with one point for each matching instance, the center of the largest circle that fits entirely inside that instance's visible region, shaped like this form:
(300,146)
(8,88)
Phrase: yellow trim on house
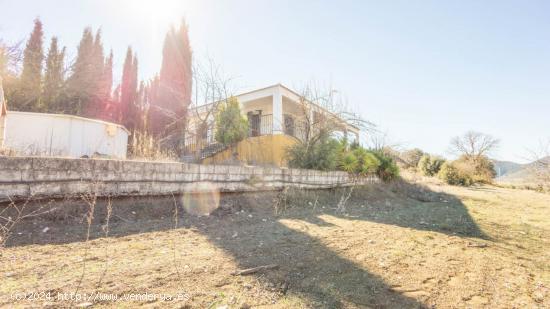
(269,150)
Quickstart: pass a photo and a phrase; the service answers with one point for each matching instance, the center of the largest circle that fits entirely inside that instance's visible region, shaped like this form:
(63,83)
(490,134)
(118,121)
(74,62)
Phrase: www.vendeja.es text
(97,296)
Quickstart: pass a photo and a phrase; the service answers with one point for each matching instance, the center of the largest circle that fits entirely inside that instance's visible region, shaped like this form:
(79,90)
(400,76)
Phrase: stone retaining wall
(39,177)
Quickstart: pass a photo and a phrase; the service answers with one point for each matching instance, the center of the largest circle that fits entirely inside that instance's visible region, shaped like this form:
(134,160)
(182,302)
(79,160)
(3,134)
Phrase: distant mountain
(504,168)
(518,173)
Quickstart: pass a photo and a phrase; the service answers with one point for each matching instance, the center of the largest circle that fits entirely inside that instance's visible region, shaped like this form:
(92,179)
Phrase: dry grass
(145,147)
(396,247)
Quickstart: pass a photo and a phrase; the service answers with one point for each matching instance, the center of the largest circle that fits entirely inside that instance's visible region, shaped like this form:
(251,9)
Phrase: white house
(273,110)
(276,116)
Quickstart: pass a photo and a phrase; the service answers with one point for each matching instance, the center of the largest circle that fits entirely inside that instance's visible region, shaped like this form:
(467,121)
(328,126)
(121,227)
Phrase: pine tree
(28,98)
(167,114)
(53,78)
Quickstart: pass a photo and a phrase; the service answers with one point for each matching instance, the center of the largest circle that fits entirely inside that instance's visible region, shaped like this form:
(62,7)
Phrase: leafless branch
(324,110)
(12,214)
(541,163)
(474,145)
(211,89)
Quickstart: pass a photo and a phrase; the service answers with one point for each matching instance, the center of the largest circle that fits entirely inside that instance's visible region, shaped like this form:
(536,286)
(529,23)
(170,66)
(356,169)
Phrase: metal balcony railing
(258,125)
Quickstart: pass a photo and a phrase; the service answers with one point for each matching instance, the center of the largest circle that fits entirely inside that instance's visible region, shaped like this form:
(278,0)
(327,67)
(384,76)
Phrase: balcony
(263,125)
(260,125)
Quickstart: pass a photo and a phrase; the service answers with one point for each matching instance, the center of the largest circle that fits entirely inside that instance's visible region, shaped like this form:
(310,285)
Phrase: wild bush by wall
(429,165)
(328,153)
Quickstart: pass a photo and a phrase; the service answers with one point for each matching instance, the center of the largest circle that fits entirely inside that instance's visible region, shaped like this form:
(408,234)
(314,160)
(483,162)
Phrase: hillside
(511,172)
(504,168)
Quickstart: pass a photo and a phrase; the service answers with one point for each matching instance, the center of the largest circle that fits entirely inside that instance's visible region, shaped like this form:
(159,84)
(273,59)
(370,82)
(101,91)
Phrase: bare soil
(394,246)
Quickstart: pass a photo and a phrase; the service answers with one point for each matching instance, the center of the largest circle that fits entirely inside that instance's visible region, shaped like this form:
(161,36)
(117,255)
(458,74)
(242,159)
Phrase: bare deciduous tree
(211,89)
(474,145)
(324,111)
(11,57)
(541,163)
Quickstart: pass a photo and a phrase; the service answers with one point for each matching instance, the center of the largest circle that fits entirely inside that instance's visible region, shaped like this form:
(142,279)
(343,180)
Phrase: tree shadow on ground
(307,267)
(317,272)
(401,204)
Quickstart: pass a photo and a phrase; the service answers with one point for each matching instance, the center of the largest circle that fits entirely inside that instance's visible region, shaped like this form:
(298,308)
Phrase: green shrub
(370,163)
(453,176)
(330,154)
(321,154)
(387,170)
(360,161)
(466,171)
(231,125)
(349,162)
(430,165)
(480,170)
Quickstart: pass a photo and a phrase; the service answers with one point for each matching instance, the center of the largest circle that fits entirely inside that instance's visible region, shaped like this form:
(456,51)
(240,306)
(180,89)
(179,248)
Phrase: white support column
(277,111)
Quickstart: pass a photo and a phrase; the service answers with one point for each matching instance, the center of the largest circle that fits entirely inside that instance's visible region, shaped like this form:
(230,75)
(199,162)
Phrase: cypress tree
(98,99)
(53,78)
(167,113)
(152,98)
(114,107)
(136,111)
(128,90)
(142,103)
(81,85)
(28,98)
(107,77)
(98,61)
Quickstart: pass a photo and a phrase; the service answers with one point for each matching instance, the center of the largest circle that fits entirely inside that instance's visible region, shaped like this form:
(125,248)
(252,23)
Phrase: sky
(422,71)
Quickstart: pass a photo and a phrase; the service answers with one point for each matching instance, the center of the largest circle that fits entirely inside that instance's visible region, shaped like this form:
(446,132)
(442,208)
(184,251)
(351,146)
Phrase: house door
(289,125)
(254,123)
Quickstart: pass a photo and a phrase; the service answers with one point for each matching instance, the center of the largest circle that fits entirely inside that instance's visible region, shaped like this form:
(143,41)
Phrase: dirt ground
(394,246)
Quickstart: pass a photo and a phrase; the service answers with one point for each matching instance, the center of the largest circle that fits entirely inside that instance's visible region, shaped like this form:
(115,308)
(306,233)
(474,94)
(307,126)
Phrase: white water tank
(39,134)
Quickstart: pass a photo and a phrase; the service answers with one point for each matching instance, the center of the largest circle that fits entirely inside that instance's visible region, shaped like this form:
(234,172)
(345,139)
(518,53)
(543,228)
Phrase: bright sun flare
(156,11)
